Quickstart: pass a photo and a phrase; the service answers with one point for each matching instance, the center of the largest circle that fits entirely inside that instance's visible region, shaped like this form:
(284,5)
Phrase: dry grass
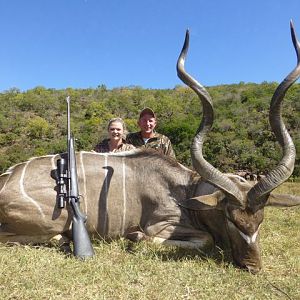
(121,270)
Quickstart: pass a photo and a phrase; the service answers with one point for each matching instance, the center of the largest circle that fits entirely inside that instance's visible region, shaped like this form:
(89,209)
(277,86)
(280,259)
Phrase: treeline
(33,123)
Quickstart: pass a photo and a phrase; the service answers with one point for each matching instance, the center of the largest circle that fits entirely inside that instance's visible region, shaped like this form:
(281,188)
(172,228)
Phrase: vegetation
(33,122)
(122,270)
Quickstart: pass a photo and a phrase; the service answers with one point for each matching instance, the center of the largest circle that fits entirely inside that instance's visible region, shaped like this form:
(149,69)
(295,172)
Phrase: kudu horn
(204,168)
(257,194)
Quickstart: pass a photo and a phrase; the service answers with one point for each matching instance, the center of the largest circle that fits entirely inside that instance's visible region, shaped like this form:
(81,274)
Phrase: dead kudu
(144,195)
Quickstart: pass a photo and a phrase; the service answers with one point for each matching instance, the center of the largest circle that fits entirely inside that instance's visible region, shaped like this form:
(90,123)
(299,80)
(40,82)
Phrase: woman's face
(115,131)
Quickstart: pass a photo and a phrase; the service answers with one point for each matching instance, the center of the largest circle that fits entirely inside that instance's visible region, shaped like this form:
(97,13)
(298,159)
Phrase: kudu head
(242,203)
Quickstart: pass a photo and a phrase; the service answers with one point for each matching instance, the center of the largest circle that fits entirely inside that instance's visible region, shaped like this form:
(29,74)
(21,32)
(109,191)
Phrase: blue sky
(86,43)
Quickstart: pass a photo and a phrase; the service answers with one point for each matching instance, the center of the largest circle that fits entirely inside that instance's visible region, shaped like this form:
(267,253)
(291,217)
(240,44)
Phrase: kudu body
(144,195)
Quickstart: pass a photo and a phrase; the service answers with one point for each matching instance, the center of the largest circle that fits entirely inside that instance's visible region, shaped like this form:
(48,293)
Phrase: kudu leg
(180,236)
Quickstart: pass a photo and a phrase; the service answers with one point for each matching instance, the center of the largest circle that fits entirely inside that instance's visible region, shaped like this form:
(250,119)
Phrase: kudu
(244,207)
(146,195)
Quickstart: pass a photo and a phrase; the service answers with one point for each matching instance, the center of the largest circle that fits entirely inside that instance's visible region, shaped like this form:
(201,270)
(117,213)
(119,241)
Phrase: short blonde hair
(117,120)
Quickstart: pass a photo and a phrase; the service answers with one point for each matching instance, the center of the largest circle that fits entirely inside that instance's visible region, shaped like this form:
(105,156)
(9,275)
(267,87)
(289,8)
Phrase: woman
(115,142)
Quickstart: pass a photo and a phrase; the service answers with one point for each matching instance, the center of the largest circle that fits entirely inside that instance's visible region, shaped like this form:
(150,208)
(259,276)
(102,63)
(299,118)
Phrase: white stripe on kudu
(53,165)
(84,182)
(106,193)
(124,193)
(249,239)
(22,190)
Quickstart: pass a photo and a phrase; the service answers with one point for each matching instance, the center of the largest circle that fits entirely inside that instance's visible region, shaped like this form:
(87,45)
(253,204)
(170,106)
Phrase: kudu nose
(253,269)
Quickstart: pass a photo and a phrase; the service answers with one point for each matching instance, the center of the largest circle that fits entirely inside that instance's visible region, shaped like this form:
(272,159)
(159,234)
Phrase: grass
(122,270)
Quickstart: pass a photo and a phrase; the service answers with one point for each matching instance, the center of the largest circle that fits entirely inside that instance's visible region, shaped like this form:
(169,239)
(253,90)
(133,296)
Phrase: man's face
(147,123)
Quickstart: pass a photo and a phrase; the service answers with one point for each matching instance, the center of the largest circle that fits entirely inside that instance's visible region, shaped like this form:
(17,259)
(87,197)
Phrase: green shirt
(159,142)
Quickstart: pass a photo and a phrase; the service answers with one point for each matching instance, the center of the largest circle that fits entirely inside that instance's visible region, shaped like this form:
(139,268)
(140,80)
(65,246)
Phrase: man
(147,137)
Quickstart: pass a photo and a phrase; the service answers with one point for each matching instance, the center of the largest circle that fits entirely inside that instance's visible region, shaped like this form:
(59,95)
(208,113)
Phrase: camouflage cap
(147,111)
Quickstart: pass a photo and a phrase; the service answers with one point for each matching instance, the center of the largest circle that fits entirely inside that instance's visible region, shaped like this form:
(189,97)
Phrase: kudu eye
(230,213)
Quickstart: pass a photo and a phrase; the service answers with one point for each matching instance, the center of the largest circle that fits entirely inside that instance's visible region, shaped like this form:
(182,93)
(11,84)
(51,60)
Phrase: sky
(119,43)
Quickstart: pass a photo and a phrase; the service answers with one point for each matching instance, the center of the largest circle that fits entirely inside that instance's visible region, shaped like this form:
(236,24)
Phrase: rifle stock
(81,241)
(82,246)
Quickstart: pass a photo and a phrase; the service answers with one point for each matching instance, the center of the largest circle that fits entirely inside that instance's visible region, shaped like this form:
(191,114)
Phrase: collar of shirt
(154,138)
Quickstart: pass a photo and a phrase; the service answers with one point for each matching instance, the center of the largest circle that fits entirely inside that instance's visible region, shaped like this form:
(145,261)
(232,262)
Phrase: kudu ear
(204,202)
(283,200)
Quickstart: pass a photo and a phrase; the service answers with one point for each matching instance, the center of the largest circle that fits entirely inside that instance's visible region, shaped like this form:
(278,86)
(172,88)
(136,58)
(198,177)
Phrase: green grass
(122,270)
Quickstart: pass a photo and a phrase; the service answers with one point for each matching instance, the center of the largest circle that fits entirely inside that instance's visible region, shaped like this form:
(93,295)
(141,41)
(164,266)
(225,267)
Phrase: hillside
(33,122)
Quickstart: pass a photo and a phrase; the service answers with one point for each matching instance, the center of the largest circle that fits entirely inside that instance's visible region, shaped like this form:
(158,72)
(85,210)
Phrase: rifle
(68,192)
